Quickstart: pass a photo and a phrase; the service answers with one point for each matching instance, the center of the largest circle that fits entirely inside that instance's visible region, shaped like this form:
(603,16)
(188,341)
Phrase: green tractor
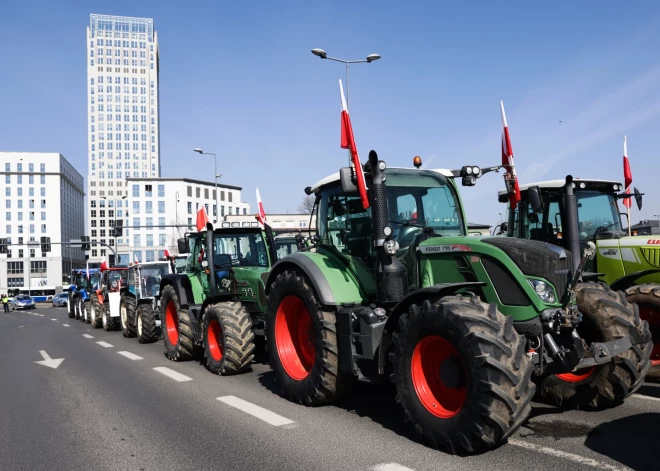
(626,263)
(218,304)
(464,326)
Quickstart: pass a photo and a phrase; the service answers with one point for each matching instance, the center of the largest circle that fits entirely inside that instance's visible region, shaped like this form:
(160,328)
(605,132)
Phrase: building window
(198,192)
(150,255)
(136,222)
(43,215)
(149,207)
(190,223)
(161,191)
(161,207)
(137,255)
(147,190)
(43,179)
(7,167)
(189,190)
(189,206)
(15,282)
(229,195)
(161,223)
(19,167)
(222,196)
(150,223)
(43,228)
(15,268)
(42,167)
(150,240)
(162,239)
(136,191)
(38,267)
(136,207)
(206,193)
(136,240)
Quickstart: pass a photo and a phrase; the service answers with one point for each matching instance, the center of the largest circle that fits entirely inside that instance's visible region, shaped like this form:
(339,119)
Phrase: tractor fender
(300,262)
(629,280)
(182,287)
(415,297)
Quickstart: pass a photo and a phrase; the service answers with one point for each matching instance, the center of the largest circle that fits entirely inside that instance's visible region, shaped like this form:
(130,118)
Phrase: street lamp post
(113,227)
(217,207)
(500,218)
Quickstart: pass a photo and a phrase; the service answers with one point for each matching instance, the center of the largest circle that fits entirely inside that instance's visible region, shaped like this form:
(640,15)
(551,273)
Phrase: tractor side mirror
(183,245)
(638,198)
(535,200)
(346,179)
(504,227)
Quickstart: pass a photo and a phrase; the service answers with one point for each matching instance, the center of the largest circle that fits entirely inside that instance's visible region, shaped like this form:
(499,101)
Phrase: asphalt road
(113,404)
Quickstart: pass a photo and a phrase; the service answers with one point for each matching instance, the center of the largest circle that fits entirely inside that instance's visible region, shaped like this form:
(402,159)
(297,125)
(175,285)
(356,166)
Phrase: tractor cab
(143,279)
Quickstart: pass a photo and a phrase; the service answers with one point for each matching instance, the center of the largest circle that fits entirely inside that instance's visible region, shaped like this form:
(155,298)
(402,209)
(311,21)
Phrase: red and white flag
(507,161)
(202,219)
(627,173)
(348,142)
(104,265)
(88,270)
(261,215)
(166,252)
(135,259)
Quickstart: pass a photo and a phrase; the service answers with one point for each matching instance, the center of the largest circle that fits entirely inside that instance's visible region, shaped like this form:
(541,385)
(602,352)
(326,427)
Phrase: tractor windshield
(597,210)
(285,246)
(245,249)
(150,276)
(180,263)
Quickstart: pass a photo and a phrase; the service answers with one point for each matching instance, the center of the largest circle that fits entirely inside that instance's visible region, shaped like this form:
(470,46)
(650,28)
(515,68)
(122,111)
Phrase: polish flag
(135,259)
(166,252)
(348,142)
(507,161)
(627,173)
(261,215)
(104,265)
(202,219)
(88,270)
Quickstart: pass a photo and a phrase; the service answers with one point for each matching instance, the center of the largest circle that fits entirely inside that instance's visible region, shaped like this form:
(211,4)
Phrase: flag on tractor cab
(202,219)
(507,161)
(627,173)
(348,142)
(261,215)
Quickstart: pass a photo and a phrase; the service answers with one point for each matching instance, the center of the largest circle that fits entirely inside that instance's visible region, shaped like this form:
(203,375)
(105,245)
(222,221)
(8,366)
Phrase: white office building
(44,196)
(123,125)
(282,223)
(156,203)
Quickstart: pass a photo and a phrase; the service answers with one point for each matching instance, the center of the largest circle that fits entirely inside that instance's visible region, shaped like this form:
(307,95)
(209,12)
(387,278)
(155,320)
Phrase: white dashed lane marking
(172,374)
(390,467)
(259,412)
(105,344)
(131,356)
(583,460)
(66,325)
(87,336)
(54,320)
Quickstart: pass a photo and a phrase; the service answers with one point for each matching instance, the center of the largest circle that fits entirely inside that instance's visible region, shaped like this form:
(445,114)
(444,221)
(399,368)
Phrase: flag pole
(629,225)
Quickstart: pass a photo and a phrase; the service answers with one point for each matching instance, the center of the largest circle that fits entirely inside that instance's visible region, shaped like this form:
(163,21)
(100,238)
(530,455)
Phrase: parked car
(23,301)
(61,299)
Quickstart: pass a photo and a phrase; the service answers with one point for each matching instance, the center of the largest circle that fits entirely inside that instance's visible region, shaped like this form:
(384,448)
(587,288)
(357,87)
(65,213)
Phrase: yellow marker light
(417,161)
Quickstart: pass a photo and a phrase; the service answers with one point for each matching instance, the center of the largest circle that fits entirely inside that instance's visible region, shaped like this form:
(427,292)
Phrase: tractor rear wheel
(177,328)
(80,305)
(647,298)
(461,374)
(228,339)
(76,310)
(127,316)
(95,311)
(70,306)
(302,342)
(606,315)
(146,323)
(108,322)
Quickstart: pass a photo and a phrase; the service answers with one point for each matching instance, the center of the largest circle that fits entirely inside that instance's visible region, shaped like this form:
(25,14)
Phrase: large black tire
(84,315)
(606,315)
(176,326)
(307,371)
(228,339)
(647,298)
(76,309)
(109,323)
(70,306)
(461,373)
(127,319)
(95,310)
(146,324)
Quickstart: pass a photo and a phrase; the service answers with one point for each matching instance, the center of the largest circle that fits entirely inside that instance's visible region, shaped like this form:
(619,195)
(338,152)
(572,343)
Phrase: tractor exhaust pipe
(209,259)
(571,229)
(390,272)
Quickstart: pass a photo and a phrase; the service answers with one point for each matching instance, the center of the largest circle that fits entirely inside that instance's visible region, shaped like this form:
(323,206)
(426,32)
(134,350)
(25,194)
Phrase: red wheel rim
(653,318)
(214,339)
(172,323)
(439,399)
(579,375)
(294,338)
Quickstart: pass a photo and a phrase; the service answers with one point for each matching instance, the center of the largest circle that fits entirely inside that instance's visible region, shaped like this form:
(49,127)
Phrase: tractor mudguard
(416,297)
(182,286)
(319,268)
(627,281)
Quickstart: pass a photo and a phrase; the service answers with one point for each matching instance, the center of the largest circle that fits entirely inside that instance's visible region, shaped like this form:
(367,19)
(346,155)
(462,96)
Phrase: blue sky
(238,79)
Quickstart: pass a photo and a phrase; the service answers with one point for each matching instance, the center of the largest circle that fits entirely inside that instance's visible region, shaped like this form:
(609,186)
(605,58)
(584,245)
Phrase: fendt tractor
(79,292)
(104,308)
(463,326)
(627,263)
(218,304)
(138,309)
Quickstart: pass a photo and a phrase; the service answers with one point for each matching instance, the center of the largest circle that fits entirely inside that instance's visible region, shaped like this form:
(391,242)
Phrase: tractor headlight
(543,290)
(390,246)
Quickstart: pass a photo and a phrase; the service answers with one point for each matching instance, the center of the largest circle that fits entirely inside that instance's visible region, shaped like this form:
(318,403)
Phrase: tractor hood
(629,255)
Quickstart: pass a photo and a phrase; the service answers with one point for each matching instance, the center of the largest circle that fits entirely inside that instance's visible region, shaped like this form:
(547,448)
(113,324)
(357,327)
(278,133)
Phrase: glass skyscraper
(123,126)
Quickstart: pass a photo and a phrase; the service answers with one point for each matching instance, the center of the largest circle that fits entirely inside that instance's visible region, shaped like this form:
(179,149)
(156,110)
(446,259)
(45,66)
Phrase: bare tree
(307,204)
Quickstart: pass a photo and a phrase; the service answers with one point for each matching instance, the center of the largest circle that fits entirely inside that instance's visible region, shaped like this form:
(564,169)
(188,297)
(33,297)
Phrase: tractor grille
(535,258)
(652,255)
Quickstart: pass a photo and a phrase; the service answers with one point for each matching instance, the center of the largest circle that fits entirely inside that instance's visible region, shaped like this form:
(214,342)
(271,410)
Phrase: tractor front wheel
(177,329)
(606,316)
(228,339)
(461,374)
(70,305)
(127,316)
(84,314)
(647,298)
(95,311)
(302,342)
(146,324)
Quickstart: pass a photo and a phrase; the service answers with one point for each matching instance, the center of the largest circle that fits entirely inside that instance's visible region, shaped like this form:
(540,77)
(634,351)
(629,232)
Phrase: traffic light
(3,245)
(117,230)
(85,243)
(45,244)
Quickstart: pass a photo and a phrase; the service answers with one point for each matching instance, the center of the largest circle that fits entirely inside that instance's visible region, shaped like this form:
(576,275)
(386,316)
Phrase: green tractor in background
(217,305)
(463,326)
(626,263)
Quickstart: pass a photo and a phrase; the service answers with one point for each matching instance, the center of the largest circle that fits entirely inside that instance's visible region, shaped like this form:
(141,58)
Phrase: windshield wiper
(406,223)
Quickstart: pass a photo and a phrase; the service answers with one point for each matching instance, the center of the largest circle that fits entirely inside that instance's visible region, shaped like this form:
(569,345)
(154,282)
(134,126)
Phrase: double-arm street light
(217,206)
(323,55)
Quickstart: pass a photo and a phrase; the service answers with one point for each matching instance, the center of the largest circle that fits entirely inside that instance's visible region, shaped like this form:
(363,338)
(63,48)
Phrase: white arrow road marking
(390,467)
(172,374)
(642,396)
(87,336)
(105,344)
(48,361)
(259,412)
(131,356)
(569,456)
(66,325)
